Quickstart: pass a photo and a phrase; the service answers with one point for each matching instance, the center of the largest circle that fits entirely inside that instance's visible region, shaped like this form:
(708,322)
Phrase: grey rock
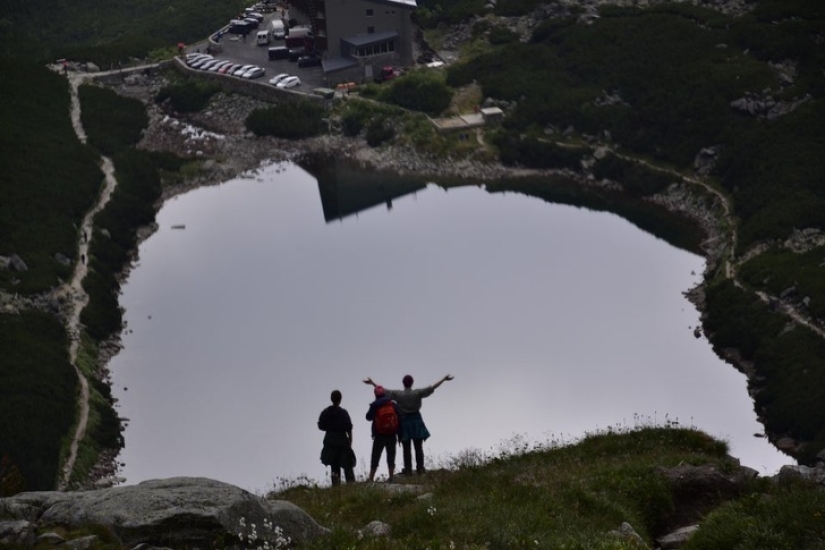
(16,532)
(63,259)
(678,538)
(183,511)
(82,543)
(16,263)
(378,529)
(792,474)
(628,533)
(50,538)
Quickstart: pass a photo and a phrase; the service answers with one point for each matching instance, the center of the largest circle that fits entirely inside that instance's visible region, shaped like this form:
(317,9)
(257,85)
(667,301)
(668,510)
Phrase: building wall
(346,18)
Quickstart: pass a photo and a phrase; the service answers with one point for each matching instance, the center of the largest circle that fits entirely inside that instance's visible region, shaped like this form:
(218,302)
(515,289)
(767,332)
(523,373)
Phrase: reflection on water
(556,321)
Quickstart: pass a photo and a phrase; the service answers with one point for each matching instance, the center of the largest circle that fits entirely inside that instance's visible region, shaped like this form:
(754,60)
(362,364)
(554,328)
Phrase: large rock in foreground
(182,511)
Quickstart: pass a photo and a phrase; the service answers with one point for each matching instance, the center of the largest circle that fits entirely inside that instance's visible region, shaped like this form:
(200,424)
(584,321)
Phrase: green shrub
(423,91)
(38,388)
(531,152)
(787,519)
(502,35)
(112,122)
(291,121)
(379,132)
(189,96)
(637,179)
(49,179)
(431,13)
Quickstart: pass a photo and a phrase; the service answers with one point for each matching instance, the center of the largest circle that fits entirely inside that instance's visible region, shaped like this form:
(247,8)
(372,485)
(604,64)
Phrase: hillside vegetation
(572,497)
(656,86)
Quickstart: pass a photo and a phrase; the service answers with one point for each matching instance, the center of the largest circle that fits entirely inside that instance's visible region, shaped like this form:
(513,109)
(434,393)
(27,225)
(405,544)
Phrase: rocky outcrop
(765,106)
(177,512)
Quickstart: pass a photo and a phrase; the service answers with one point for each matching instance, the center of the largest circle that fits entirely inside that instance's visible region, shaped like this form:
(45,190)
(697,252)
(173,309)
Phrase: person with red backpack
(386,427)
(414,432)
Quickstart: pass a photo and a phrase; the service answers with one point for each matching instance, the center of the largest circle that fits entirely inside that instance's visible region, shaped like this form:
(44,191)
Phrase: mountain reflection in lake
(556,321)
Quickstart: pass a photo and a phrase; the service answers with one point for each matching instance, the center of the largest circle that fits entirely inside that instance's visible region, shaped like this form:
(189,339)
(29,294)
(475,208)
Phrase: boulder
(791,474)
(677,539)
(182,511)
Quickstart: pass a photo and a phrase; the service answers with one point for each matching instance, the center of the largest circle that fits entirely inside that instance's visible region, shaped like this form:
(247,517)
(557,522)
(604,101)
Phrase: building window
(370,30)
(375,49)
(370,13)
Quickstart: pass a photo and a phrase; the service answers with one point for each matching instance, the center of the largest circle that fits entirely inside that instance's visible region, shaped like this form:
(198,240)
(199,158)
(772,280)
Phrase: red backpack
(386,419)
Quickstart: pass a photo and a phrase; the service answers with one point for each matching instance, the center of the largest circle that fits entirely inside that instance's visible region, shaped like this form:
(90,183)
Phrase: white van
(262,38)
(277,28)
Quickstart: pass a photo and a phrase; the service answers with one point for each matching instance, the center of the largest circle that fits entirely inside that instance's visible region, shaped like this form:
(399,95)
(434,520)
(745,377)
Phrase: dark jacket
(336,422)
(375,405)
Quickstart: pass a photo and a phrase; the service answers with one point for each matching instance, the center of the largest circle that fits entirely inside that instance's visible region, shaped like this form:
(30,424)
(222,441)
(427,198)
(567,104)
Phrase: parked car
(254,72)
(243,69)
(229,69)
(277,78)
(295,53)
(289,82)
(239,26)
(220,65)
(209,64)
(278,52)
(192,56)
(309,61)
(196,64)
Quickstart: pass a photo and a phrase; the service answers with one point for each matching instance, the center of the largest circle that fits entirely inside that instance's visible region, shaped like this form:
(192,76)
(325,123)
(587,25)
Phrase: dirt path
(74,288)
(732,263)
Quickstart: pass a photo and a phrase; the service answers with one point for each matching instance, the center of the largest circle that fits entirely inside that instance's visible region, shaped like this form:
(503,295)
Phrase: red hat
(379,391)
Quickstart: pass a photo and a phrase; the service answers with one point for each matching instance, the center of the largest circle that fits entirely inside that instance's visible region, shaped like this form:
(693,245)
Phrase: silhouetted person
(337,451)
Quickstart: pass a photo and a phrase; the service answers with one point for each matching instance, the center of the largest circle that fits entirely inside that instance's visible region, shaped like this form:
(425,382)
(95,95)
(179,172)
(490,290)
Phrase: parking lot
(245,52)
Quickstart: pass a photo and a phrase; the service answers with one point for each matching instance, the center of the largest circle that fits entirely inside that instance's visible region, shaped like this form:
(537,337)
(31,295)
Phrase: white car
(254,72)
(243,69)
(200,61)
(209,64)
(219,65)
(194,56)
(289,82)
(277,78)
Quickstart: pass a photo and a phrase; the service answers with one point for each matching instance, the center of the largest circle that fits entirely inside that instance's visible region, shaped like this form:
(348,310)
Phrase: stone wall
(258,89)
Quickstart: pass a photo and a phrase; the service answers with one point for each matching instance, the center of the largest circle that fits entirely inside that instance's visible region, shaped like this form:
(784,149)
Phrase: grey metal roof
(369,38)
(337,64)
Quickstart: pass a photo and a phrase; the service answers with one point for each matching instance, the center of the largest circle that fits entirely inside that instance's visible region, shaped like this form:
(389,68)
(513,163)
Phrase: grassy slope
(566,497)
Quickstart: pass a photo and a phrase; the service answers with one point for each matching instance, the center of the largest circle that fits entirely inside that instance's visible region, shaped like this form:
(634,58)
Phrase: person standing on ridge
(337,451)
(386,425)
(413,429)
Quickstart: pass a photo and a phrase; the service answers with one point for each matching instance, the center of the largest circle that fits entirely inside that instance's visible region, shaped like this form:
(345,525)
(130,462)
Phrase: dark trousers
(419,454)
(349,474)
(379,443)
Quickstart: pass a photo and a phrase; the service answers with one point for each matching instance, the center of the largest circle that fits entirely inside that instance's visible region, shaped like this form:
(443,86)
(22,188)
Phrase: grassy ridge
(568,497)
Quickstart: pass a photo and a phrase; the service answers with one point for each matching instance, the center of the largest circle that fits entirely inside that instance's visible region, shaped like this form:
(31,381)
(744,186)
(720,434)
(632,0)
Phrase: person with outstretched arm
(413,429)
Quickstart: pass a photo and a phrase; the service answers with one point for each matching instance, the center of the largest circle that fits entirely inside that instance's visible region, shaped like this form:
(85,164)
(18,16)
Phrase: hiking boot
(405,472)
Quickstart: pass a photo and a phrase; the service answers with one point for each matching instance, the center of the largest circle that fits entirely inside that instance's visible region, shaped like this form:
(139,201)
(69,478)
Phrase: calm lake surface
(556,322)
